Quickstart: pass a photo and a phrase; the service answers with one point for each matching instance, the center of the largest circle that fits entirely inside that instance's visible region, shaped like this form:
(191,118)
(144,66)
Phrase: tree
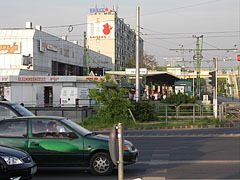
(113,105)
(146,61)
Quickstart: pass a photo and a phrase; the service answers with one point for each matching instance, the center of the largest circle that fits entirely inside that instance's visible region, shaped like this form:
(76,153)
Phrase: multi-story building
(32,52)
(109,35)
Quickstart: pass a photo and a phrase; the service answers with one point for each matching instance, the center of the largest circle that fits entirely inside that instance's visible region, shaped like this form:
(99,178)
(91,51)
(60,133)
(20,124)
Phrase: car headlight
(127,147)
(11,160)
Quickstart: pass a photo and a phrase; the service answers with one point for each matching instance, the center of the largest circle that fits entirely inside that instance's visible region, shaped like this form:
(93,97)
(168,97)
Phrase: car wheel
(101,164)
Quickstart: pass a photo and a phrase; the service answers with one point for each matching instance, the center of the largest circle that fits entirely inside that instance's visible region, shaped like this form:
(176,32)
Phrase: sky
(165,24)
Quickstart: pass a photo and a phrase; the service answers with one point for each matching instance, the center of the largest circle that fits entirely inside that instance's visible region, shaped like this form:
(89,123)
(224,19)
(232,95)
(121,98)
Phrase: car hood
(106,138)
(6,151)
(100,137)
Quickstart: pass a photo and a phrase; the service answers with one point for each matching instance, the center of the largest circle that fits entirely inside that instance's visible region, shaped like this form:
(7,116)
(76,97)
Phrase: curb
(228,125)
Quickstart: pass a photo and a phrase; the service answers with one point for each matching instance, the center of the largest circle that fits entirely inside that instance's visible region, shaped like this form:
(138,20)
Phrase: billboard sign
(10,47)
(95,10)
(102,30)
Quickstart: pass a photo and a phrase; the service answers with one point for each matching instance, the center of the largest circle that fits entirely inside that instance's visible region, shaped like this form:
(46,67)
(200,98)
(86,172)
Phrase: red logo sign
(238,57)
(107,29)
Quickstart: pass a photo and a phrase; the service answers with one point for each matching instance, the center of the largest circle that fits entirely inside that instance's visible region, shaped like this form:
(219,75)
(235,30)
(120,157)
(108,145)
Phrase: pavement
(226,125)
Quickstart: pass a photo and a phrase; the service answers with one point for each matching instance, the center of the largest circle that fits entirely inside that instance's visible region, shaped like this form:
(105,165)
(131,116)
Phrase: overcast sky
(165,24)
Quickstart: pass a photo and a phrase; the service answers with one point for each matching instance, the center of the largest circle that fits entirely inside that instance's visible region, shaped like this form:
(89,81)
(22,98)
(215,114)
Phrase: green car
(59,142)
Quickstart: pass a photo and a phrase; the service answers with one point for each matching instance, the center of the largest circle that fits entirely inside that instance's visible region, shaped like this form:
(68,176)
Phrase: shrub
(144,111)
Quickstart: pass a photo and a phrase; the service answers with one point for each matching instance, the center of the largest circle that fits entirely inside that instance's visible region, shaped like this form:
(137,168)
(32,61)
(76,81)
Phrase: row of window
(40,129)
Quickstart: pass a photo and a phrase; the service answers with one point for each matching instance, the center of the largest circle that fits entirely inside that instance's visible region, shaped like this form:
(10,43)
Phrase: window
(6,113)
(13,128)
(49,129)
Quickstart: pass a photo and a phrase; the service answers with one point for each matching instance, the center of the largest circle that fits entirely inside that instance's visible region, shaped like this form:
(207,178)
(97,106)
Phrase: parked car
(57,141)
(16,164)
(10,110)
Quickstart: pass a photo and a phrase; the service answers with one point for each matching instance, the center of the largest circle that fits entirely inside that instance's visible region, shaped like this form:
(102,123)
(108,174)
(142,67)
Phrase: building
(32,52)
(41,90)
(109,35)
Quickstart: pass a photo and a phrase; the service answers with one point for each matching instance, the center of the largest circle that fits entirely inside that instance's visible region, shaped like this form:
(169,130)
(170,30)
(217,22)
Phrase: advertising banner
(101,30)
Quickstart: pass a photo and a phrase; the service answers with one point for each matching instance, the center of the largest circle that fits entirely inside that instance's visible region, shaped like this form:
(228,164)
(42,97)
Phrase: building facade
(31,52)
(110,35)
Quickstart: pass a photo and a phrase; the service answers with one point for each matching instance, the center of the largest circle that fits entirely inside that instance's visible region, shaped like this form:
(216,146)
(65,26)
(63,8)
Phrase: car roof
(39,117)
(7,102)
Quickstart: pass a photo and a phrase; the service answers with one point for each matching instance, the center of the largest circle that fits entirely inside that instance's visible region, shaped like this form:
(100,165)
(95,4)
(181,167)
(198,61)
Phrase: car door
(49,146)
(14,133)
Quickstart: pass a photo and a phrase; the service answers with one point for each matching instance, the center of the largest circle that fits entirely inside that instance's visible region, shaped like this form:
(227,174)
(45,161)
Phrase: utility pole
(198,66)
(137,55)
(88,65)
(198,58)
(215,61)
(85,54)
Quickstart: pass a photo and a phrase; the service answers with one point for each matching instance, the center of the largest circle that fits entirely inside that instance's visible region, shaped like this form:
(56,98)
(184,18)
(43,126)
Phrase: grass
(94,124)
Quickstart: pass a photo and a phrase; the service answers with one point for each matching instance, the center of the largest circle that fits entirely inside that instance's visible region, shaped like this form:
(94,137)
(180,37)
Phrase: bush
(179,99)
(144,111)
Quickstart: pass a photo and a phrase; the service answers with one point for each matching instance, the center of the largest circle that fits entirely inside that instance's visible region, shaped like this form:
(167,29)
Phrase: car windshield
(22,110)
(76,127)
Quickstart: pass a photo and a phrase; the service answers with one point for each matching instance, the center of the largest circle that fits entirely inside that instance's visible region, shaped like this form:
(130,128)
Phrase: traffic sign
(238,57)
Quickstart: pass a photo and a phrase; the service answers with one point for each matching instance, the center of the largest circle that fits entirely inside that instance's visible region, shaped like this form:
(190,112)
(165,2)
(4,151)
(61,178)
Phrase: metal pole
(120,145)
(166,114)
(238,84)
(216,103)
(137,55)
(85,54)
(88,65)
(193,84)
(194,113)
(198,68)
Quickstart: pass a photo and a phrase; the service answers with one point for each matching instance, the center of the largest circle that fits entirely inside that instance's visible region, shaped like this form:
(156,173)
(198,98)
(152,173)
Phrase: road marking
(153,178)
(160,162)
(184,136)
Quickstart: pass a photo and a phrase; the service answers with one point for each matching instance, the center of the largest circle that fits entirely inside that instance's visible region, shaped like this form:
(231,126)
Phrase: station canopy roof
(156,77)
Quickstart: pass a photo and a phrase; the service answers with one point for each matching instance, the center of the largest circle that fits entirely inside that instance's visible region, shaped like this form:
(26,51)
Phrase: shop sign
(131,71)
(51,48)
(66,52)
(95,10)
(10,47)
(43,46)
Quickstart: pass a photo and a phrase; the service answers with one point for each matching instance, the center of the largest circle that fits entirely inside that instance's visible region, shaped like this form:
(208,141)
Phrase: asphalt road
(171,154)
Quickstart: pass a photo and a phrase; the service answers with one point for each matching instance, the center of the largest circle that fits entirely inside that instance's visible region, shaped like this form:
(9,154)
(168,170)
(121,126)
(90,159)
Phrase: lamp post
(215,60)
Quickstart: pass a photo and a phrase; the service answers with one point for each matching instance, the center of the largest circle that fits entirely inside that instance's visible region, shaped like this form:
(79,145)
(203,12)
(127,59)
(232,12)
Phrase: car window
(13,128)
(49,129)
(76,127)
(6,113)
(22,110)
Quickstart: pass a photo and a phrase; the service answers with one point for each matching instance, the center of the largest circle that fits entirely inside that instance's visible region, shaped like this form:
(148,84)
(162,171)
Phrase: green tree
(146,61)
(113,105)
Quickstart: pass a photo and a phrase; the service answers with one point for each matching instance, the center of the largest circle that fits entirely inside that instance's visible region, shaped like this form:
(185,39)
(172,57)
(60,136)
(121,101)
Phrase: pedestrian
(130,95)
(144,95)
(156,96)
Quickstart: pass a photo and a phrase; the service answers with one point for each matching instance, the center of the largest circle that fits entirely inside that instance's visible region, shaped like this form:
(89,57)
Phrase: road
(171,154)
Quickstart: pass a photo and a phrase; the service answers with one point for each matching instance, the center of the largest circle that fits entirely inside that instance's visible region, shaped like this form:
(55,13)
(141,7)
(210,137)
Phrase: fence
(166,112)
(230,111)
(192,112)
(76,114)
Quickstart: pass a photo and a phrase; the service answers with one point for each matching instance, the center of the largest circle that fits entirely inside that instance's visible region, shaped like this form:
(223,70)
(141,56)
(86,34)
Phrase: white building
(110,35)
(31,51)
(41,90)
